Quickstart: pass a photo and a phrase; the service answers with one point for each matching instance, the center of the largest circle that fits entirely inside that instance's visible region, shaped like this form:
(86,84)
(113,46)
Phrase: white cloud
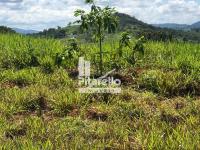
(40,14)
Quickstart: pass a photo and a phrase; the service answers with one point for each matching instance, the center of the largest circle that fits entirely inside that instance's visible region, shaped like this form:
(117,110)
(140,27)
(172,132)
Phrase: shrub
(168,83)
(149,80)
(185,66)
(59,79)
(47,64)
(19,78)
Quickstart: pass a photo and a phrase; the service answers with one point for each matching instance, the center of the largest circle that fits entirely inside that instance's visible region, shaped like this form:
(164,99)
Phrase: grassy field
(41,108)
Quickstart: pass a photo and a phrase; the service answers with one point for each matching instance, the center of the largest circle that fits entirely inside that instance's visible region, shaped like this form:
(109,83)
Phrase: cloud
(161,11)
(40,14)
(11,1)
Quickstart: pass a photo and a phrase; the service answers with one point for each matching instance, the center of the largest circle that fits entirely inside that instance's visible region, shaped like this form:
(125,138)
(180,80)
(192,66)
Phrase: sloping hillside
(23,31)
(179,26)
(172,26)
(133,25)
(196,25)
(127,21)
(139,28)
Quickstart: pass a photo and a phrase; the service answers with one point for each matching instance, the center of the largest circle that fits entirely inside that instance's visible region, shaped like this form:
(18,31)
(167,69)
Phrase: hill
(131,24)
(195,25)
(127,21)
(179,26)
(153,32)
(23,31)
(172,26)
(4,29)
(59,32)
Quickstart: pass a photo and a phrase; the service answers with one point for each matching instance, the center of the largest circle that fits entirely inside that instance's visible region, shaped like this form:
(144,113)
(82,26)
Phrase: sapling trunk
(101,51)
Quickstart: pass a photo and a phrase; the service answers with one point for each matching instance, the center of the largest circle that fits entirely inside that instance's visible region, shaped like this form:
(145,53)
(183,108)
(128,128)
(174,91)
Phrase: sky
(42,14)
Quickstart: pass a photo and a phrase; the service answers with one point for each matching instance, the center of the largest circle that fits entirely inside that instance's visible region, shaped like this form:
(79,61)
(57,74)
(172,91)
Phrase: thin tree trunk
(101,51)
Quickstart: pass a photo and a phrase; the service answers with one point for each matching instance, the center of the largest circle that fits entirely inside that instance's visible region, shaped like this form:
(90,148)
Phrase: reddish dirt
(75,112)
(7,85)
(10,84)
(170,118)
(139,71)
(127,97)
(95,114)
(22,115)
(42,102)
(17,132)
(179,105)
(73,73)
(125,79)
(46,115)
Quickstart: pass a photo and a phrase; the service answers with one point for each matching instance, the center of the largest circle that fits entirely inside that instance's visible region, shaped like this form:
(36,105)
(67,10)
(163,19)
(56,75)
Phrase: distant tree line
(4,29)
(52,33)
(156,35)
(58,33)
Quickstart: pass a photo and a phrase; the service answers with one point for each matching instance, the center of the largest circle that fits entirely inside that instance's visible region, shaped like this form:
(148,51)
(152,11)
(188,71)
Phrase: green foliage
(20,78)
(69,55)
(73,47)
(36,104)
(185,66)
(5,30)
(125,42)
(22,52)
(89,1)
(159,108)
(58,33)
(139,46)
(98,21)
(169,83)
(47,64)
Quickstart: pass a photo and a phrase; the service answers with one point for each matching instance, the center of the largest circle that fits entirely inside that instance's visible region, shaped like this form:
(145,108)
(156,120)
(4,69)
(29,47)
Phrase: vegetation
(125,41)
(41,107)
(133,26)
(97,22)
(4,29)
(59,33)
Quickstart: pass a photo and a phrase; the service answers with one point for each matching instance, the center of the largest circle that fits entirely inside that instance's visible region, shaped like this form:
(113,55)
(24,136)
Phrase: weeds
(41,108)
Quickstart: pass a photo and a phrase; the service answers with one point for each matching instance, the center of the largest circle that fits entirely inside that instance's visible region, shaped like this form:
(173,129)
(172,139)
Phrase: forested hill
(4,29)
(127,21)
(133,25)
(139,28)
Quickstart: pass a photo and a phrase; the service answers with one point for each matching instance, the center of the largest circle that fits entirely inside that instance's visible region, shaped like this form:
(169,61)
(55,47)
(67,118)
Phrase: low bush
(172,83)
